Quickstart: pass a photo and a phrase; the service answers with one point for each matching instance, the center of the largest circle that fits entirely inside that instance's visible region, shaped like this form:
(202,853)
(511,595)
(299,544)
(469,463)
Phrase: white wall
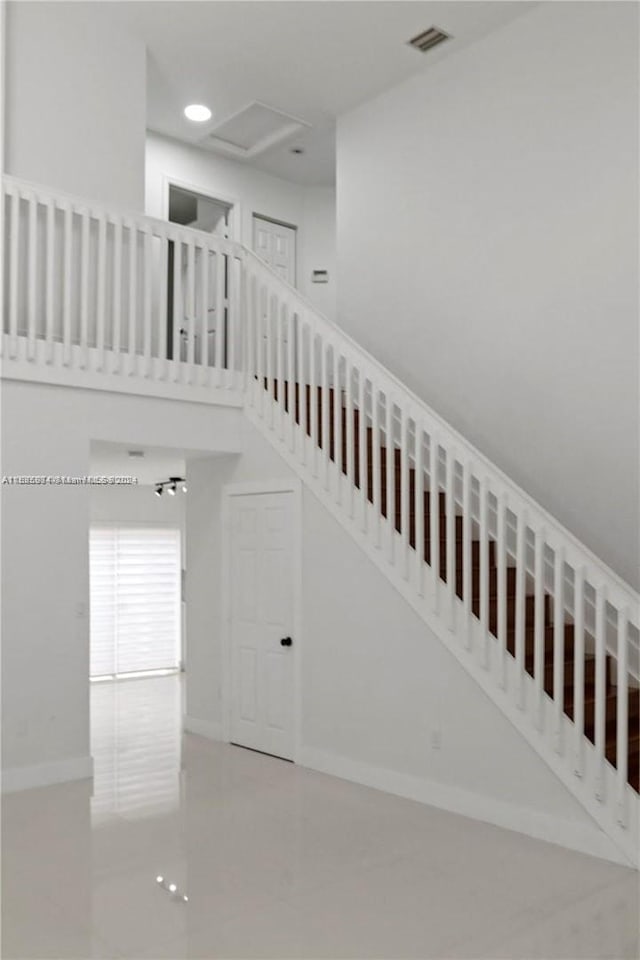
(134,504)
(47,430)
(487,247)
(75,102)
(376,684)
(311,210)
(319,248)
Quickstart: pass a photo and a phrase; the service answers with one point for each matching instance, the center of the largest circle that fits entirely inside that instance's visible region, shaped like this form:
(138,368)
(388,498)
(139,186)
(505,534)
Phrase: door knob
(286,642)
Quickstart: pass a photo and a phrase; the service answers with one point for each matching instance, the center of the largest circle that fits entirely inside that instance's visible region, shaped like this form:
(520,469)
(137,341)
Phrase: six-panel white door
(262,610)
(275,243)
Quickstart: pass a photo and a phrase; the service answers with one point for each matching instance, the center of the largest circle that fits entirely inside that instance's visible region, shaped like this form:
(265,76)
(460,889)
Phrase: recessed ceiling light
(197,112)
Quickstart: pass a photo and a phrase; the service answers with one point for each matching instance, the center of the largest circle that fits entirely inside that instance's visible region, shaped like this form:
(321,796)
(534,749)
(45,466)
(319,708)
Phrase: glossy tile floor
(277,861)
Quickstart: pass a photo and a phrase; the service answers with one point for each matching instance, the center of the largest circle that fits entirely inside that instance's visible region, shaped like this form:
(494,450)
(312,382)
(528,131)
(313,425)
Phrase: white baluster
(558,647)
(50,263)
(405,502)
(221,321)
(622,716)
(350,434)
(391,476)
(484,571)
(163,276)
(467,567)
(521,574)
(32,277)
(539,637)
(578,680)
(233,314)
(147,266)
(260,344)
(502,550)
(313,397)
(377,470)
(85,239)
(279,370)
(434,516)
(68,282)
(272,346)
(13,273)
(326,411)
(205,265)
(176,337)
(418,508)
(291,379)
(190,313)
(302,388)
(116,315)
(133,298)
(601,688)
(252,357)
(243,320)
(363,471)
(337,422)
(451,535)
(101,291)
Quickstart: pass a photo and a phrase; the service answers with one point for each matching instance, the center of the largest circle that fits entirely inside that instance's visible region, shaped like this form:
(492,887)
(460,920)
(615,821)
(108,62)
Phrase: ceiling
(313,60)
(158,463)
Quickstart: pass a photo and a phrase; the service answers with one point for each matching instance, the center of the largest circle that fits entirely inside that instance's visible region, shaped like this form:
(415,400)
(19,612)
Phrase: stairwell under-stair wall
(383,702)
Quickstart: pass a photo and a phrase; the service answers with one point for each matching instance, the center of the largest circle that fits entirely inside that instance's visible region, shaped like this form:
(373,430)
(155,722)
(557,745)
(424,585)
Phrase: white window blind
(135,599)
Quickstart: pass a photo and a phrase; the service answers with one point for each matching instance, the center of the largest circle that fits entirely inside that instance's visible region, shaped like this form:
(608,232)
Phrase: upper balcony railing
(91,291)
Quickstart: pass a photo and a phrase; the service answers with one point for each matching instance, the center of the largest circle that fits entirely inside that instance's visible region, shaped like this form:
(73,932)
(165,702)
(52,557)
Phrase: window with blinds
(135,599)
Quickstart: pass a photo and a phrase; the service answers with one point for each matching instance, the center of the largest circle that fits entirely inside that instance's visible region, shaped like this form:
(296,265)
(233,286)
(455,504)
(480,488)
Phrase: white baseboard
(533,823)
(46,774)
(205,728)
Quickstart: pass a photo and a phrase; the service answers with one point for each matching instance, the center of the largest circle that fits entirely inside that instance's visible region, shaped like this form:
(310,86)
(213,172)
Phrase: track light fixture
(172,889)
(171,486)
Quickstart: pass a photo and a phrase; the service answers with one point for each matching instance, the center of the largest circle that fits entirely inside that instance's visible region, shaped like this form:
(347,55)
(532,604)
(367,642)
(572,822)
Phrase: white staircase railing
(517,585)
(547,629)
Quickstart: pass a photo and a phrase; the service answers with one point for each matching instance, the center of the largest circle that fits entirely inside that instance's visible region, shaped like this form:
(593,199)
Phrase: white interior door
(262,611)
(276,245)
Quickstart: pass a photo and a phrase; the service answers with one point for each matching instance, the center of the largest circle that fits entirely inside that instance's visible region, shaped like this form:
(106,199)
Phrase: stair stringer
(469,648)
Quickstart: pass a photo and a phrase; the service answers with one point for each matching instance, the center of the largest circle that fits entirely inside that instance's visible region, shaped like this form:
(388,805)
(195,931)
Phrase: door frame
(235,216)
(293,486)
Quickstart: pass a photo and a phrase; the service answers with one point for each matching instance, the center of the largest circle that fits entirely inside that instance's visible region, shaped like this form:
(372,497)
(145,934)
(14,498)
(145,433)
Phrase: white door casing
(262,612)
(275,243)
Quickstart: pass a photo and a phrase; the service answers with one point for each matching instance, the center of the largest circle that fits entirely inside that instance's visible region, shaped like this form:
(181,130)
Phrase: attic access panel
(253,129)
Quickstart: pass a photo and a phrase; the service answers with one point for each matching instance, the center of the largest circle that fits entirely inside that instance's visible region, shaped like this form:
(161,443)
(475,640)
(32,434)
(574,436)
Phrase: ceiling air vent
(430,38)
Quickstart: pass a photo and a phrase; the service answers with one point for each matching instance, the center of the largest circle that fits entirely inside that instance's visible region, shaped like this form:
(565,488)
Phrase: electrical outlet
(436,740)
